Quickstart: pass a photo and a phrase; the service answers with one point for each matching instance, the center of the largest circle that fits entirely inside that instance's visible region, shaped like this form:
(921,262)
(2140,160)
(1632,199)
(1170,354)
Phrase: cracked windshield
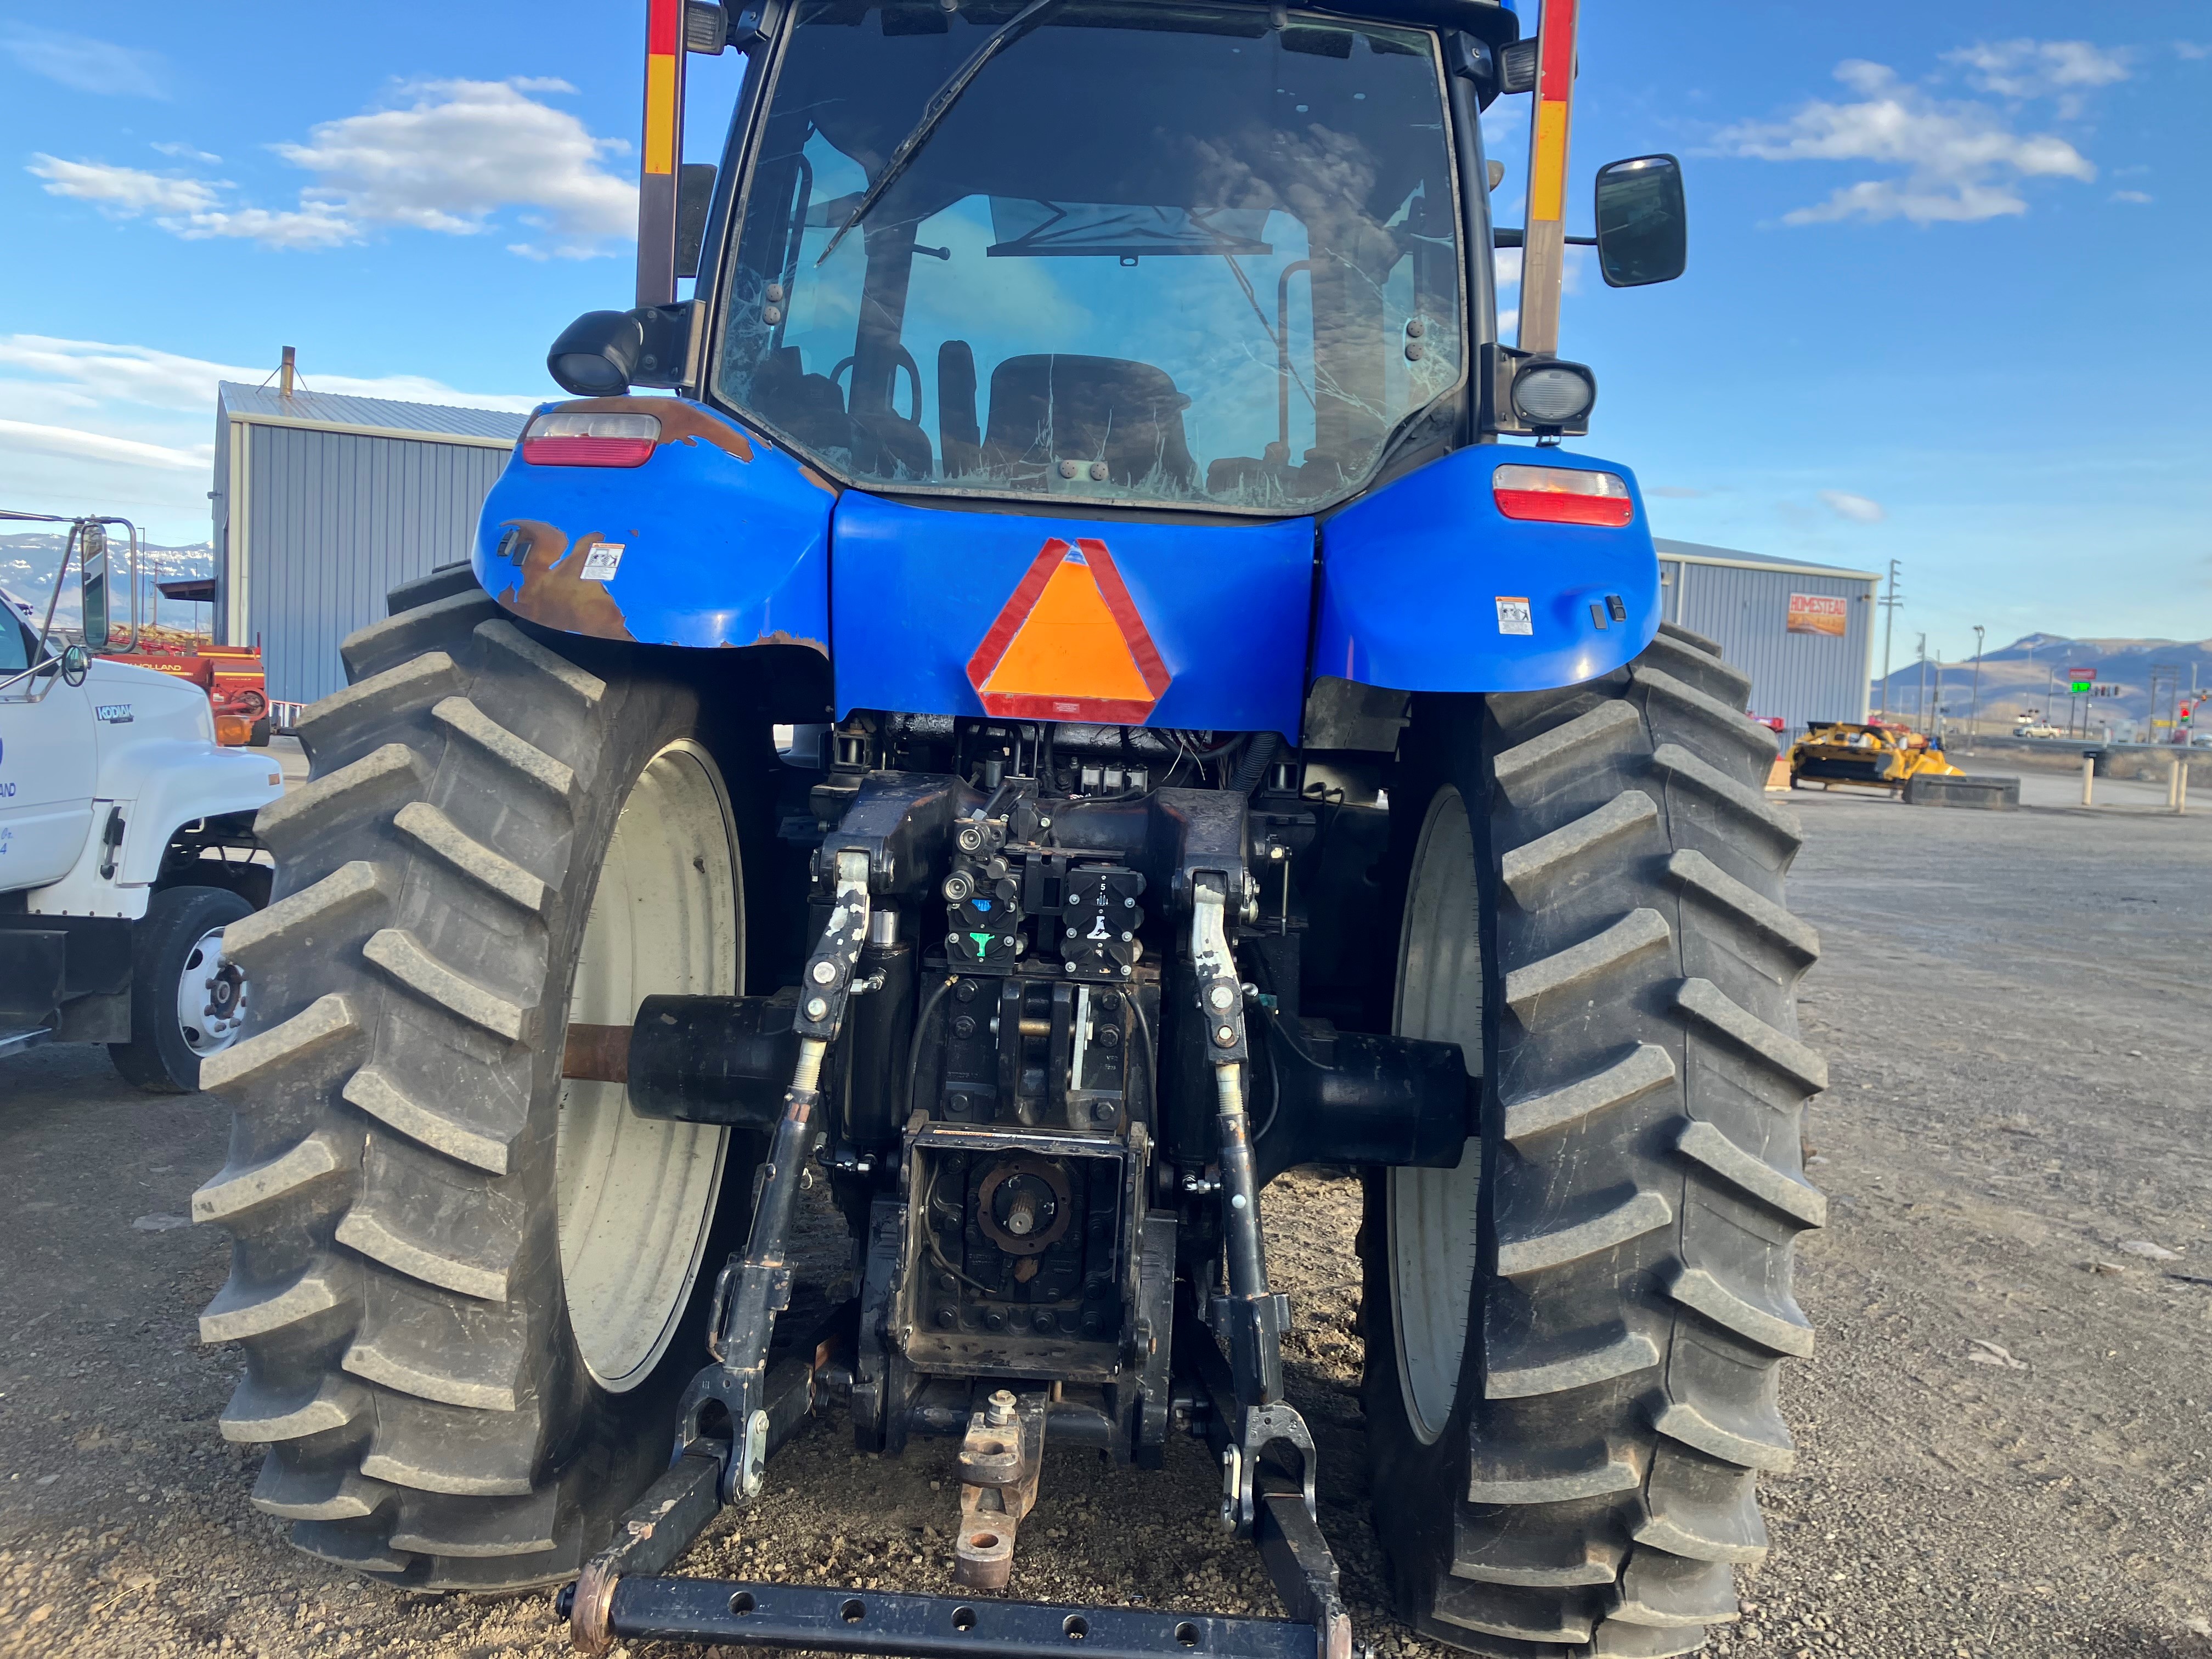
(1149,254)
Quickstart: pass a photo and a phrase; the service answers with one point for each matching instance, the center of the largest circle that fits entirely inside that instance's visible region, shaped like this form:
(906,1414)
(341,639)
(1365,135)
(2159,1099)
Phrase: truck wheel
(467,1290)
(187,999)
(1573,1338)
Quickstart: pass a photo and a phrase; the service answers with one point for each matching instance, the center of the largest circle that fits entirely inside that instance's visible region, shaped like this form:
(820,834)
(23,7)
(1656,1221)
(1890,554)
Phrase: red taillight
(1561,494)
(591,439)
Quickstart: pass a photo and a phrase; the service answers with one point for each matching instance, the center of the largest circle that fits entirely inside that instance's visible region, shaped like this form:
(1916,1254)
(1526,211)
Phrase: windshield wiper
(940,103)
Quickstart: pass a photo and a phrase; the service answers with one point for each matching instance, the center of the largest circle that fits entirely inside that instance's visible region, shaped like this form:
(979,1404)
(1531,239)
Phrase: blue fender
(718,539)
(930,602)
(1413,578)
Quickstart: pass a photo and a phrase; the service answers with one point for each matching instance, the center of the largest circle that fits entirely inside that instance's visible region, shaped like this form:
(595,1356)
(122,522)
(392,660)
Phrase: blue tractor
(1072,709)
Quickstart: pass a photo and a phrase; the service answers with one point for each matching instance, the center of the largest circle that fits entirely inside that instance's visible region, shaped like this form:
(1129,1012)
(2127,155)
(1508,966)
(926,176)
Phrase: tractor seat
(1052,407)
(809,407)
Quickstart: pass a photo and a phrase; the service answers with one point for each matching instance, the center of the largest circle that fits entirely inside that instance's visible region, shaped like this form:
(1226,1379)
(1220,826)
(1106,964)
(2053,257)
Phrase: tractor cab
(1157,256)
(1109,253)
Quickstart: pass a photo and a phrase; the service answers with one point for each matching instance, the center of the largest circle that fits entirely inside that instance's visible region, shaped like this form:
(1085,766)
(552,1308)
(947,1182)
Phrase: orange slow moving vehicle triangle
(1069,644)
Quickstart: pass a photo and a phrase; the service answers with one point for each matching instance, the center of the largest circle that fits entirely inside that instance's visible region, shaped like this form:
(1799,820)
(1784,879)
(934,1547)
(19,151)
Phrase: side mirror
(92,586)
(694,194)
(1643,225)
(76,663)
(604,353)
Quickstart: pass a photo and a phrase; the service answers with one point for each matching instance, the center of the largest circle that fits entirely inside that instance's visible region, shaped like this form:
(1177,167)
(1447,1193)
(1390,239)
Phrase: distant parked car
(2036,729)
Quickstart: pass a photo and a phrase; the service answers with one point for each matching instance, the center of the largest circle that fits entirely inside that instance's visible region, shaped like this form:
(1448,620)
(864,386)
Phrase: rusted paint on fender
(548,589)
(724,537)
(780,637)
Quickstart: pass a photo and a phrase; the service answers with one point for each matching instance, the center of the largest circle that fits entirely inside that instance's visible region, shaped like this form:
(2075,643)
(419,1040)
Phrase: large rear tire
(1573,1338)
(468,1291)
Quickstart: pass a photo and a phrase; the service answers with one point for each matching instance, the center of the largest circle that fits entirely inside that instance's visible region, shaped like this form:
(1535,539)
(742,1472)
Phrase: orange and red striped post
(1543,247)
(662,152)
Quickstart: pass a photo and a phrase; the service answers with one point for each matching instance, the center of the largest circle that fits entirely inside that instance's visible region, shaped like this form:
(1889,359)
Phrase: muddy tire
(465,1311)
(1573,1339)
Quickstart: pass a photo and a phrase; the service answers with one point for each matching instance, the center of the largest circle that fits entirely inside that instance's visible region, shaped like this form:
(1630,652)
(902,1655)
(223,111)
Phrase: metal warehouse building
(321,503)
(1804,633)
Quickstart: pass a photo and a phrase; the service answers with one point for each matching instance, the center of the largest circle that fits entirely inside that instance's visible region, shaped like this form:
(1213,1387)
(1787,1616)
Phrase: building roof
(1699,553)
(379,417)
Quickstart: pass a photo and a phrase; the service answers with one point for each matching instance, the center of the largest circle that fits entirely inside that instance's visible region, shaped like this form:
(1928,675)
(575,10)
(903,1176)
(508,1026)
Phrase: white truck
(126,846)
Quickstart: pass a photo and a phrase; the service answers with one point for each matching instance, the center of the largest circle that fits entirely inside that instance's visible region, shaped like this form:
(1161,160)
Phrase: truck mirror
(76,663)
(1643,225)
(693,192)
(92,586)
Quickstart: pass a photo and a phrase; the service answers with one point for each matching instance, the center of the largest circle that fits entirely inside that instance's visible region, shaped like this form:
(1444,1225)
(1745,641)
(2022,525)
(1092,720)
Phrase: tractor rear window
(1159,254)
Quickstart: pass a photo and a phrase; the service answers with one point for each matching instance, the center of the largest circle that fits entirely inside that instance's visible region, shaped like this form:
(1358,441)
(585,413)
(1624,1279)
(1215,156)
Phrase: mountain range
(2031,674)
(29,560)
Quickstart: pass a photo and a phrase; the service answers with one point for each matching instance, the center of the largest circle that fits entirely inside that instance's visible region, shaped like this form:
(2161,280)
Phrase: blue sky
(1946,301)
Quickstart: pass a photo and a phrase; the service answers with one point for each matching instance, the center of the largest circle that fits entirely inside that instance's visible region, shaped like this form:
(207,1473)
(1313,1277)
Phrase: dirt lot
(2006,1447)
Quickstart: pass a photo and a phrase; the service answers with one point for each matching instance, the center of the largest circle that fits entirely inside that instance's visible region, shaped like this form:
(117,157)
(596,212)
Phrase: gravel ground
(2005,1439)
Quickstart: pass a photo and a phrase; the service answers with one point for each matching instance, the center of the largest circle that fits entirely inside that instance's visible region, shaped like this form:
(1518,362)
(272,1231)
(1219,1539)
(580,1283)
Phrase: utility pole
(1939,700)
(1920,695)
(1974,720)
(1888,625)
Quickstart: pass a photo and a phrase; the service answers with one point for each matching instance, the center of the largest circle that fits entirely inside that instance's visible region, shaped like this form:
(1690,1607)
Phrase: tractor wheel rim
(636,1195)
(210,997)
(1434,1214)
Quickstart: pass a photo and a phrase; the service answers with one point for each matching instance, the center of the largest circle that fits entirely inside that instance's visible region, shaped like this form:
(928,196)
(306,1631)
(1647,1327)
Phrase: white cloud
(1858,509)
(87,424)
(163,380)
(121,192)
(2041,69)
(184,153)
(189,207)
(1961,160)
(69,442)
(313,225)
(82,63)
(2191,51)
(1674,492)
(461,151)
(2135,196)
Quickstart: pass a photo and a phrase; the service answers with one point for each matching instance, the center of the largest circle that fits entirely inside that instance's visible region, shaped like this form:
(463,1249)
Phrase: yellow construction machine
(1878,755)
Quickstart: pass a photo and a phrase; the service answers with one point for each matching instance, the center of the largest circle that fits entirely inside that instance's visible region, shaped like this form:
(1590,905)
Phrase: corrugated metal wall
(1800,677)
(334,520)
